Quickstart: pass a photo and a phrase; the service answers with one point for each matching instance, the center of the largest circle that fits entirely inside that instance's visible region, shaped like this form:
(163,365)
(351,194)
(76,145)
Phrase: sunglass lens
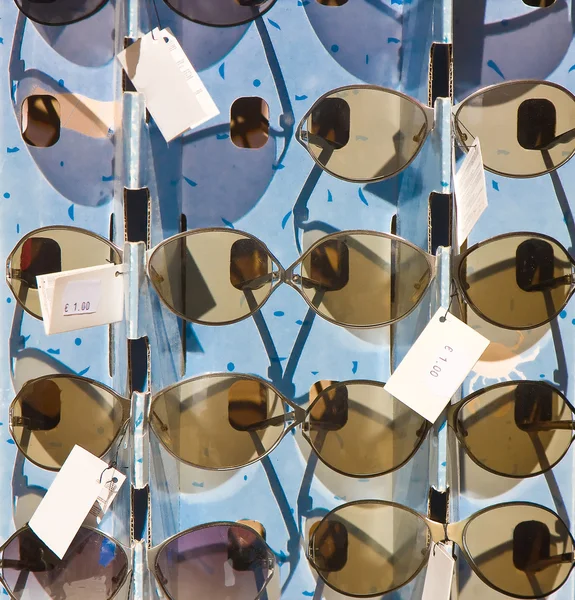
(49,251)
(52,414)
(59,12)
(525,418)
(345,413)
(216,561)
(218,422)
(364,279)
(521,549)
(220,13)
(518,281)
(535,132)
(365,134)
(369,548)
(94,566)
(212,277)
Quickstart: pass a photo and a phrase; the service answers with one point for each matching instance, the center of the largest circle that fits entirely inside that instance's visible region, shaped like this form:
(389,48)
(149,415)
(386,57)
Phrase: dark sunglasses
(366,133)
(371,547)
(99,566)
(216,13)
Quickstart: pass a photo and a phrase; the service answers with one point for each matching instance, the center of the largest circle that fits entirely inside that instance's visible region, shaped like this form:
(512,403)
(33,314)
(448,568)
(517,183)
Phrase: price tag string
(451,296)
(113,464)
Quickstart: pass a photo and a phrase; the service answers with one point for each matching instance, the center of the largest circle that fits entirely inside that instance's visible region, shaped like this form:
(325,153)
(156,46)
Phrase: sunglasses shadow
(479,43)
(87,43)
(362,37)
(203,45)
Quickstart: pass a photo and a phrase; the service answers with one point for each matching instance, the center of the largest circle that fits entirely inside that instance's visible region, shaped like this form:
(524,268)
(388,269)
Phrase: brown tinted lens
(365,134)
(535,124)
(369,548)
(50,251)
(218,422)
(361,430)
(518,282)
(52,414)
(517,429)
(521,549)
(364,279)
(212,277)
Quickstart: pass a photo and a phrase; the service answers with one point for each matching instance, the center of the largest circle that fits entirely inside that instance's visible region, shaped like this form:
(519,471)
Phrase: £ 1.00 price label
(81,297)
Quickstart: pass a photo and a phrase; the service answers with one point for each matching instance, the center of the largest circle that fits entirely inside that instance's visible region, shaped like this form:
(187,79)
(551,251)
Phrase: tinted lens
(93,567)
(369,548)
(52,414)
(364,279)
(52,250)
(519,281)
(365,134)
(535,124)
(218,422)
(217,561)
(59,12)
(220,13)
(343,414)
(521,549)
(517,429)
(212,277)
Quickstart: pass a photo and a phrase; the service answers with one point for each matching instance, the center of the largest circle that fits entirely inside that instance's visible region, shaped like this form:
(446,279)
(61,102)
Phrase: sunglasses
(370,547)
(97,565)
(359,279)
(366,133)
(225,421)
(216,13)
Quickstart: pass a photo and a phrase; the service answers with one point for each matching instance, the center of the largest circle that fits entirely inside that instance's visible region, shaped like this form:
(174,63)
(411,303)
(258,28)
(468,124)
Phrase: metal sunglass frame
(153,552)
(286,275)
(453,411)
(291,420)
(438,533)
(181,14)
(124,403)
(40,230)
(462,141)
(126,578)
(457,267)
(302,135)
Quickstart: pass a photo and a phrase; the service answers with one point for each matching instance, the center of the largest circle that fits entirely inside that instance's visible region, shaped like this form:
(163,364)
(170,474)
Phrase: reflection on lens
(94,566)
(365,133)
(390,432)
(52,414)
(60,12)
(212,277)
(516,429)
(365,280)
(521,549)
(220,13)
(218,422)
(52,250)
(517,281)
(215,561)
(535,127)
(369,548)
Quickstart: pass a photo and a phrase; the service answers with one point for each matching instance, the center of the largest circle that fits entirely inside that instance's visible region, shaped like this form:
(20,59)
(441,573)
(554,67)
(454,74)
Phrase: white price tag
(439,576)
(436,365)
(175,95)
(85,485)
(81,298)
(470,192)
